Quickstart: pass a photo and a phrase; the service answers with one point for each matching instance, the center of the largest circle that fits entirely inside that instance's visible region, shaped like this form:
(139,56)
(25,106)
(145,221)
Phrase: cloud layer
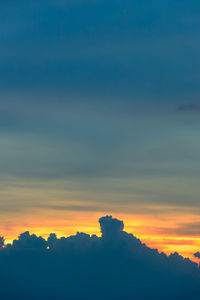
(114,266)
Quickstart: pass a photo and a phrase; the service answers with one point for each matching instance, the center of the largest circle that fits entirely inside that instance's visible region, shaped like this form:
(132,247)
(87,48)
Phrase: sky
(99,114)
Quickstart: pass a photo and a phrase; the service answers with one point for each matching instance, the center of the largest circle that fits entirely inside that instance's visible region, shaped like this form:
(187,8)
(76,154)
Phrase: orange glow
(157,231)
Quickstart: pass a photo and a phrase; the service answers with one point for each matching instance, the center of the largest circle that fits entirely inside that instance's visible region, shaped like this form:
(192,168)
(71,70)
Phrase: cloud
(110,227)
(189,108)
(27,241)
(197,254)
(1,241)
(114,266)
(183,229)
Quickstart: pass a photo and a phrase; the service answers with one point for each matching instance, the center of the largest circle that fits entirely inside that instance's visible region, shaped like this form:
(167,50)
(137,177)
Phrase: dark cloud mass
(114,266)
(197,254)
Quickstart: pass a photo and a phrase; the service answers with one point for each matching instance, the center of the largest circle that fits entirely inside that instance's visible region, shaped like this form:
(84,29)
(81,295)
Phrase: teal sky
(99,104)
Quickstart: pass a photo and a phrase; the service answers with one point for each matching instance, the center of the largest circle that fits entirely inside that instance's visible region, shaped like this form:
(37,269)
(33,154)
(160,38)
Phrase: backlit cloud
(114,266)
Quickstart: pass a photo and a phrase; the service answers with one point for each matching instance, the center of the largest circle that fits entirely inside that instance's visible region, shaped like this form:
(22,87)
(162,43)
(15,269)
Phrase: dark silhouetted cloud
(1,241)
(114,266)
(110,227)
(197,254)
(27,241)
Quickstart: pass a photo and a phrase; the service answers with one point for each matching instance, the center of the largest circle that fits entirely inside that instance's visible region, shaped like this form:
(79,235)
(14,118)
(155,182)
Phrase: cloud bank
(114,266)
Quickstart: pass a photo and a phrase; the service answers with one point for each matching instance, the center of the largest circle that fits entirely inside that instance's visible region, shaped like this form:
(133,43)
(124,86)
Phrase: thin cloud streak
(189,108)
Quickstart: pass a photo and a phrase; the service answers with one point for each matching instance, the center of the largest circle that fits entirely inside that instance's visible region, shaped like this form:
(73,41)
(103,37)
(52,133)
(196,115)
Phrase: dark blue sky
(124,49)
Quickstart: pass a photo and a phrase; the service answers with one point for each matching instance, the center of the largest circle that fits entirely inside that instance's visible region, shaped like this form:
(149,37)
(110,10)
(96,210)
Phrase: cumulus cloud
(1,241)
(28,241)
(110,227)
(197,254)
(114,266)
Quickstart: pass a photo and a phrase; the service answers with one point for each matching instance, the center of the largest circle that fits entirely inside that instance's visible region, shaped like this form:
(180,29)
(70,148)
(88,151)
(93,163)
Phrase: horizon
(152,241)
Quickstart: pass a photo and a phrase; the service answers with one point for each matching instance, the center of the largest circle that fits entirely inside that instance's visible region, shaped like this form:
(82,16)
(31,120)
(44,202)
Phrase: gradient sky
(100,113)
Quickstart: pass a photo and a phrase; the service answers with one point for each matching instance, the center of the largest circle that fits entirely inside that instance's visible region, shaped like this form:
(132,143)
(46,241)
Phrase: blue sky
(100,100)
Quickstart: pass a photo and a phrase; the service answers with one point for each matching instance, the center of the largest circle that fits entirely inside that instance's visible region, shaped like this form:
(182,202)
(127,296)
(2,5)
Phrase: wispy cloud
(189,108)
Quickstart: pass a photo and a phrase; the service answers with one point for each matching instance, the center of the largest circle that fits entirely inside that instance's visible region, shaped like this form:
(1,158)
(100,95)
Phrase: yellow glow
(149,228)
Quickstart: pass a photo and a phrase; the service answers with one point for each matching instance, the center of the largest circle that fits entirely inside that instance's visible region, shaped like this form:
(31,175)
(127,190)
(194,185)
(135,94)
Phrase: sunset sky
(100,114)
